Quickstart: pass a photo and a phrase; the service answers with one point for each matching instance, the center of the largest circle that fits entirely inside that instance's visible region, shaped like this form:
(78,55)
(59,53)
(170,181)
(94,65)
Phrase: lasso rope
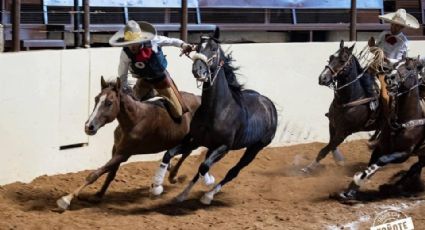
(372,58)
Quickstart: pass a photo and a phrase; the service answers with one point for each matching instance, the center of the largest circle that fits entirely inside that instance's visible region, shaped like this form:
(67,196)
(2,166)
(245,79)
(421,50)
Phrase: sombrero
(133,33)
(400,17)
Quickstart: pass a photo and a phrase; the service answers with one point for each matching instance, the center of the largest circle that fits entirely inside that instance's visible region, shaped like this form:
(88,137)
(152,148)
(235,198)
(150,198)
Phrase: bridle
(409,73)
(335,74)
(394,104)
(209,62)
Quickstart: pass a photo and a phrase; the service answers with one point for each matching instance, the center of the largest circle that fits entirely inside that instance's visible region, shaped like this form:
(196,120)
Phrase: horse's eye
(96,99)
(108,103)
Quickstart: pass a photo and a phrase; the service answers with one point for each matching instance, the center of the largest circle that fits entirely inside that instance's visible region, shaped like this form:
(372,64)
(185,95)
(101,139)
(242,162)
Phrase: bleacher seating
(39,17)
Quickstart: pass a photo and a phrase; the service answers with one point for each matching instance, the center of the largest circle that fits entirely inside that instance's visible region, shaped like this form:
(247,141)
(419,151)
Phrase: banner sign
(124,3)
(305,4)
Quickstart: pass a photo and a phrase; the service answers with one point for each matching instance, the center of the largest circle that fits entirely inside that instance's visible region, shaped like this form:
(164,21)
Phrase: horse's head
(106,107)
(208,58)
(421,67)
(337,65)
(403,76)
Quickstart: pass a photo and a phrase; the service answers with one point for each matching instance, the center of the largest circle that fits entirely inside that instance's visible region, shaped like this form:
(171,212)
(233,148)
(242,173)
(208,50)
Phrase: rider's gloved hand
(186,48)
(126,89)
(373,105)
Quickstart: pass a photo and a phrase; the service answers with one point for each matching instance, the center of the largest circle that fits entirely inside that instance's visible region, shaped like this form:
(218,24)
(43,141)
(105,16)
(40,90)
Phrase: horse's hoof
(172,179)
(340,163)
(180,198)
(209,179)
(156,190)
(306,170)
(347,197)
(64,202)
(359,179)
(206,199)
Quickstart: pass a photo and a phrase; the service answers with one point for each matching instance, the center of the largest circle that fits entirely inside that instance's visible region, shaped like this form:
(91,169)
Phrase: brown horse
(403,134)
(144,127)
(349,111)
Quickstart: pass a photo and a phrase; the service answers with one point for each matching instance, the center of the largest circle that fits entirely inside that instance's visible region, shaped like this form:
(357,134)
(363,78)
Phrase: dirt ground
(270,193)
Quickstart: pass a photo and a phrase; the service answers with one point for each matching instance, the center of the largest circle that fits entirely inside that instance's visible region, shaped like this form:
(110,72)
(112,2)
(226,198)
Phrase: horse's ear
(216,33)
(371,42)
(341,44)
(404,56)
(422,61)
(420,64)
(103,83)
(118,84)
(351,48)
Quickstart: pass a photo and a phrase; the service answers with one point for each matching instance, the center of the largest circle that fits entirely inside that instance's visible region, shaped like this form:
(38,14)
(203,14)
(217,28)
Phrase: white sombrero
(400,17)
(133,33)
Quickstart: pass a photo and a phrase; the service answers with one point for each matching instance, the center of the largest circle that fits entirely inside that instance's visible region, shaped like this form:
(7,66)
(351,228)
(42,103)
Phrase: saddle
(377,88)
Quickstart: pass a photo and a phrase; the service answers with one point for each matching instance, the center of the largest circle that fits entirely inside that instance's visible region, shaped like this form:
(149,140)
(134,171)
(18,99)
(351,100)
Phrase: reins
(374,64)
(394,107)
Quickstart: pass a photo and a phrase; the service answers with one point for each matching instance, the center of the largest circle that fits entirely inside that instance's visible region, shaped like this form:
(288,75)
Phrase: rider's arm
(166,41)
(123,68)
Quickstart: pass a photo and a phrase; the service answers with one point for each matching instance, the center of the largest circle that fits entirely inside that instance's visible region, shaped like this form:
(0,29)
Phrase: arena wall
(46,96)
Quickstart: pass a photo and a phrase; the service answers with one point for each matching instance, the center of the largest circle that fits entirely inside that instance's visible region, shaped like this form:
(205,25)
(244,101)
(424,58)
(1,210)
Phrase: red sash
(144,54)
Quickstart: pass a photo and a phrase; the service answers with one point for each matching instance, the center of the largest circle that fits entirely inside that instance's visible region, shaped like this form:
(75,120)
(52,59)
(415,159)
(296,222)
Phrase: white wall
(46,96)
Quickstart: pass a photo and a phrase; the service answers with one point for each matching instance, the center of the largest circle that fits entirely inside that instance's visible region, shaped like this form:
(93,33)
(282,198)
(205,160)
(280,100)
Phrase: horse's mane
(229,71)
(358,66)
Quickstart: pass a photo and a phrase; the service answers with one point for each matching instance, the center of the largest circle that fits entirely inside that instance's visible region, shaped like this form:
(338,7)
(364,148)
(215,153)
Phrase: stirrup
(373,105)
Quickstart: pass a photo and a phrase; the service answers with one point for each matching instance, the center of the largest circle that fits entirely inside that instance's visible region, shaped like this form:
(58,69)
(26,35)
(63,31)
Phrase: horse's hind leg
(212,157)
(247,158)
(65,201)
(360,178)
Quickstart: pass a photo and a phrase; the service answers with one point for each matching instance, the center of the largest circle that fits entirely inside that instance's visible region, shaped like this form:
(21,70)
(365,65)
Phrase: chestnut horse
(403,133)
(144,127)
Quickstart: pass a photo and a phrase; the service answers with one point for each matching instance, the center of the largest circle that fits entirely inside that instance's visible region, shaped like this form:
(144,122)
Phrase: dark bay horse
(403,133)
(144,127)
(349,111)
(229,118)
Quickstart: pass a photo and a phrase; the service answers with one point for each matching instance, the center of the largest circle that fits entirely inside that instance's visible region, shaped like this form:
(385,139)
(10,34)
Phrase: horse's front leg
(212,157)
(65,201)
(335,139)
(158,179)
(360,178)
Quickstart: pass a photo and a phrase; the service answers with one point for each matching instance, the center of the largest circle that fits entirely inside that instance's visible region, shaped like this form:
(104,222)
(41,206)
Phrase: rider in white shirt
(393,42)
